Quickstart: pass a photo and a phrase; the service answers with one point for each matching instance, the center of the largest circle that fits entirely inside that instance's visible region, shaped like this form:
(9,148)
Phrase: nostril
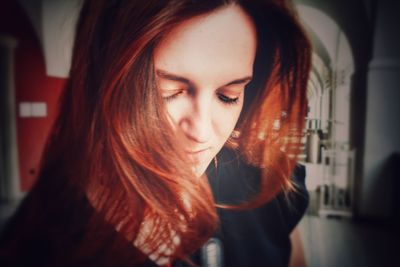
(198,133)
(197,125)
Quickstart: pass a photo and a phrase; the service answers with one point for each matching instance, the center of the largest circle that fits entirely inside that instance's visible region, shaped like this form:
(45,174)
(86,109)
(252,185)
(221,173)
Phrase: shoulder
(293,204)
(234,181)
(233,175)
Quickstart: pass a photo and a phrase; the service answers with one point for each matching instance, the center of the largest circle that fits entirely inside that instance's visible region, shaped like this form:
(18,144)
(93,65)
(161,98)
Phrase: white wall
(54,22)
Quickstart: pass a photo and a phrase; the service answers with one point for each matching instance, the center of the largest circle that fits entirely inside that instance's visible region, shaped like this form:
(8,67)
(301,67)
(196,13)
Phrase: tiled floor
(332,242)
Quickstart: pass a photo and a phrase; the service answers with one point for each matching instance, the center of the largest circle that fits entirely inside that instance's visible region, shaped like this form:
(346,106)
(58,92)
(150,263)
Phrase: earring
(235,134)
(215,162)
(233,139)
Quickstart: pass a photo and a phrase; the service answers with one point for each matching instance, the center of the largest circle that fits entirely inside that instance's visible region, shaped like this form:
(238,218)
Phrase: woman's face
(202,67)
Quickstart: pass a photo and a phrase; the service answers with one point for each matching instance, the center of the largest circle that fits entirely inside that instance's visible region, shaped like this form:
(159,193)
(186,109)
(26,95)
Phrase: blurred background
(352,136)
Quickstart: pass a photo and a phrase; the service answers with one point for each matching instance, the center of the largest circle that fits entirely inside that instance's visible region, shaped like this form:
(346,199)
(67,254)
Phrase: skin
(202,67)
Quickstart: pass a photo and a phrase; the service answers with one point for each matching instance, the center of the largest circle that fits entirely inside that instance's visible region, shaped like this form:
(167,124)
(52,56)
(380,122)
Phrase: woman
(156,89)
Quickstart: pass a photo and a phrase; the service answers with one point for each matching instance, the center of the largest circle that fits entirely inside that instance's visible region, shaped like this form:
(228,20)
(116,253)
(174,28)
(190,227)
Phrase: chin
(201,168)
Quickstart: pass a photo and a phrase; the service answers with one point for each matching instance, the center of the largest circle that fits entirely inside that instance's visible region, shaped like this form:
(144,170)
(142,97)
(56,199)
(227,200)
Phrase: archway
(329,158)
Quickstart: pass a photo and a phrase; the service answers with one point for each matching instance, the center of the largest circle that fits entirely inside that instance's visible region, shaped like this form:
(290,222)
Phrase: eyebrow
(173,77)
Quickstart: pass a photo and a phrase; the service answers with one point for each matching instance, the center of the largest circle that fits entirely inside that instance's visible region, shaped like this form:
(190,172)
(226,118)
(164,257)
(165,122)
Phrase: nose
(197,126)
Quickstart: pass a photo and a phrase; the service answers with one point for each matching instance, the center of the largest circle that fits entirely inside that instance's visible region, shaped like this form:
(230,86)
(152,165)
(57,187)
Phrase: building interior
(351,139)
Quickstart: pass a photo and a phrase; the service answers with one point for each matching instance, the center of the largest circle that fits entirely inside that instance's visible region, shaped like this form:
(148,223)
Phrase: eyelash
(223,98)
(171,97)
(228,100)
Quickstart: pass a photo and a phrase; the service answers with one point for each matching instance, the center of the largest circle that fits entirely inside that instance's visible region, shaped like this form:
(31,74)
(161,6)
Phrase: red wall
(32,85)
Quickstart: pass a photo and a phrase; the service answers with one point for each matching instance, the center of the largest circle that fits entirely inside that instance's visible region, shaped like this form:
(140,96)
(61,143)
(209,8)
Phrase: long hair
(113,145)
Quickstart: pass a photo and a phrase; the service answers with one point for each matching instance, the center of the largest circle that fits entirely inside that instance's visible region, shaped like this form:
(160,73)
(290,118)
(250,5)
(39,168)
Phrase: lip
(198,151)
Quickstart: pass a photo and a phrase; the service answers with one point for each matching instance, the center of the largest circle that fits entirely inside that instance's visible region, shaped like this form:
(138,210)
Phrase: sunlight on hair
(164,251)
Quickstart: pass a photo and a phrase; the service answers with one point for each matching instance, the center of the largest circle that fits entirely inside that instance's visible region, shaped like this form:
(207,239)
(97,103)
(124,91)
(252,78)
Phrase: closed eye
(228,100)
(172,95)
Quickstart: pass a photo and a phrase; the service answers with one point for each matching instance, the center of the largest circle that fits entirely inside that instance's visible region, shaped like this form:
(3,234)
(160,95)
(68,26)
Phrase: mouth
(197,151)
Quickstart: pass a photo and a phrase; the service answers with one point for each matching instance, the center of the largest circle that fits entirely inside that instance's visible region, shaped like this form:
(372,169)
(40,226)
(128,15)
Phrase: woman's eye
(171,96)
(228,100)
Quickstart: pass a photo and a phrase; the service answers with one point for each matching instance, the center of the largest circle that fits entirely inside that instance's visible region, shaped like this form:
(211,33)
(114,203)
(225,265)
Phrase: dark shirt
(256,237)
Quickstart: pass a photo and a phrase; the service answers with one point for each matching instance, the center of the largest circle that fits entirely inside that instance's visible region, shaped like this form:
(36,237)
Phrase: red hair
(112,142)
(272,126)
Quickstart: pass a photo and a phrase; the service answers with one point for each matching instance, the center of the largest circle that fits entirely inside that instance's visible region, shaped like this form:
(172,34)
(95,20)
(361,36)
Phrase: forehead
(214,45)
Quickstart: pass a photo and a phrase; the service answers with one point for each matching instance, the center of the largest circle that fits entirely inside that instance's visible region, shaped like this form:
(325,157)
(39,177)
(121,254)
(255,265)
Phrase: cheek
(176,110)
(225,119)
